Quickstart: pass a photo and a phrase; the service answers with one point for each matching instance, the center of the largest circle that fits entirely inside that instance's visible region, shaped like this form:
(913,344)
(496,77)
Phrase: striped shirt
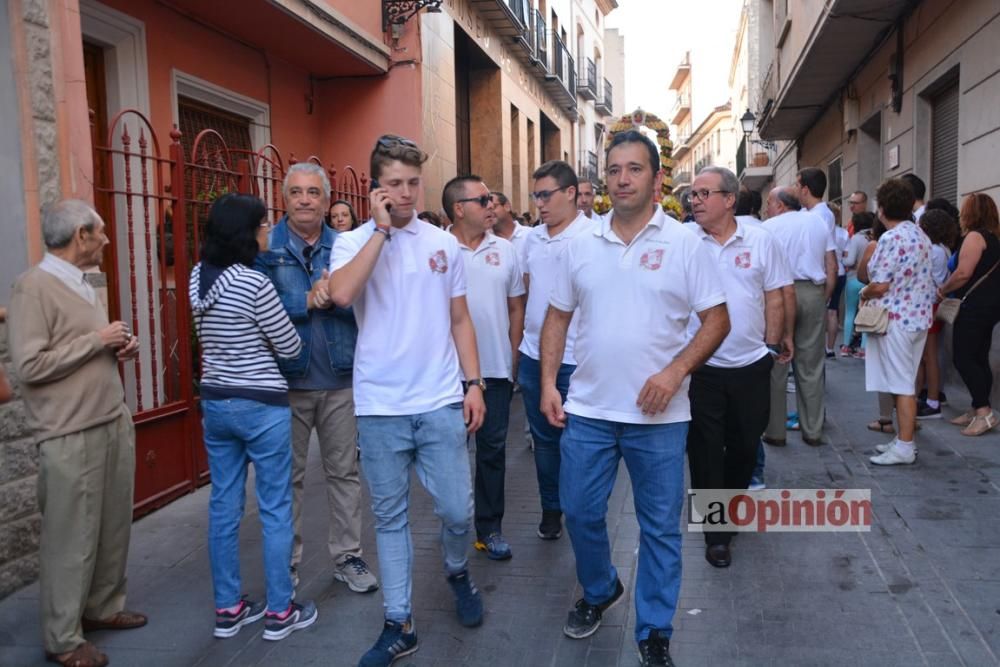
(241,326)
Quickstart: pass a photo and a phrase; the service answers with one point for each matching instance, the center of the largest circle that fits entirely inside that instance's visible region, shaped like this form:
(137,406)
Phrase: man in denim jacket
(320,378)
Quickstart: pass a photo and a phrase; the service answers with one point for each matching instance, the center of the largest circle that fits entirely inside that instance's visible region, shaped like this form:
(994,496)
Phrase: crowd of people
(399,339)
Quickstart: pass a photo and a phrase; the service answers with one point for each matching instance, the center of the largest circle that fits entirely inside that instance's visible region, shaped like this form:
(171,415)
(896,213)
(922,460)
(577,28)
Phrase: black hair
(635,137)
(744,202)
(455,190)
(814,180)
(501,197)
(431,217)
(561,172)
(231,233)
(756,203)
(942,204)
(350,209)
(916,184)
(939,227)
(862,221)
(895,198)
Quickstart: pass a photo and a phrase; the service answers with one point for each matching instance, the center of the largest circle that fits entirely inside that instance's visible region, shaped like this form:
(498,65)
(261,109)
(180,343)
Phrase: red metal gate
(155,208)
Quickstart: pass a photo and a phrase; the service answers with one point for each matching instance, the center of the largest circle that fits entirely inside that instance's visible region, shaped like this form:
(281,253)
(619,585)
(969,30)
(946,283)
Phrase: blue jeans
(239,431)
(434,444)
(654,456)
(545,435)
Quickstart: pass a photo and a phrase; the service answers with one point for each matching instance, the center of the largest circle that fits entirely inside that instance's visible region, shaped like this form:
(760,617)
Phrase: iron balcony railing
(541,52)
(588,80)
(521,9)
(605,105)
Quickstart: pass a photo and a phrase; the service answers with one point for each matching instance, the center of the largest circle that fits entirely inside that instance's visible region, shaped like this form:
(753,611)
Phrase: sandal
(84,655)
(963,419)
(882,426)
(981,424)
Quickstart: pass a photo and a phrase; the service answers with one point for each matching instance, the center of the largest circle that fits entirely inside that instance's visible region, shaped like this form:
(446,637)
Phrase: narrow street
(922,588)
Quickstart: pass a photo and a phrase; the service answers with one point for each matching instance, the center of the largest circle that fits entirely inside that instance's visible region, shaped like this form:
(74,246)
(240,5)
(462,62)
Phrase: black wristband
(385,232)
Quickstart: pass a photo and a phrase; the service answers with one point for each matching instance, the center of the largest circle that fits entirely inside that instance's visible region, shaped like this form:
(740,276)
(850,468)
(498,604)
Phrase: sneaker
(551,526)
(227,623)
(845,351)
(925,411)
(895,455)
(585,618)
(883,448)
(298,616)
(495,546)
(654,651)
(355,573)
(468,601)
(830,354)
(792,424)
(392,644)
(756,484)
(859,353)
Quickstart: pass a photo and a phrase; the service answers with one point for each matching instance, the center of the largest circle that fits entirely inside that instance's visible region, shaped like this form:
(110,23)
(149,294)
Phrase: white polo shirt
(405,362)
(842,238)
(633,302)
(540,261)
(750,263)
(745,219)
(826,215)
(803,239)
(494,275)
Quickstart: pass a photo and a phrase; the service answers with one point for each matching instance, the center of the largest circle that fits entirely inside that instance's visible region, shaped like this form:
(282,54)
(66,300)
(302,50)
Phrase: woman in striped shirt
(241,326)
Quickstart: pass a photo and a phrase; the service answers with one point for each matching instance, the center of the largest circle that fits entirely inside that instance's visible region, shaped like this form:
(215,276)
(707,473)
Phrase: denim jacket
(287,270)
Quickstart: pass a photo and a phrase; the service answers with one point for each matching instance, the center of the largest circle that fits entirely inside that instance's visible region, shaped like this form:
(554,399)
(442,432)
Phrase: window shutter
(944,145)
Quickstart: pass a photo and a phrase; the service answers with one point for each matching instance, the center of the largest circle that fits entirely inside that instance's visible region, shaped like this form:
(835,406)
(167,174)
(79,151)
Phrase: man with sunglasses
(496,303)
(320,378)
(406,281)
(555,195)
(633,282)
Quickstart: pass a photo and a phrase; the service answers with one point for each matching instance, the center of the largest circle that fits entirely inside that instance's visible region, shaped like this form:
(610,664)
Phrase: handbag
(872,319)
(948,308)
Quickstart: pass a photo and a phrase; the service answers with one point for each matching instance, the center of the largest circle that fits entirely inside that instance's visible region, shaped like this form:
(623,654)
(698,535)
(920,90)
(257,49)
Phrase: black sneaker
(392,644)
(925,411)
(551,526)
(654,651)
(227,624)
(585,618)
(468,601)
(298,617)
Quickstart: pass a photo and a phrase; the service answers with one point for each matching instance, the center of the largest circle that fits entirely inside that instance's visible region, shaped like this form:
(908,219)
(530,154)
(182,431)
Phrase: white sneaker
(756,486)
(894,456)
(883,448)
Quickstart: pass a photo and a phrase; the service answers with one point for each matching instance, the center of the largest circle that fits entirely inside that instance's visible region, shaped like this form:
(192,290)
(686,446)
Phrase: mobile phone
(374,186)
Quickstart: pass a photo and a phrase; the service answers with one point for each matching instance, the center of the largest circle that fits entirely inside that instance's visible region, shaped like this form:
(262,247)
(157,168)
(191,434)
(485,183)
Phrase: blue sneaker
(227,624)
(468,601)
(495,546)
(392,644)
(298,616)
(792,424)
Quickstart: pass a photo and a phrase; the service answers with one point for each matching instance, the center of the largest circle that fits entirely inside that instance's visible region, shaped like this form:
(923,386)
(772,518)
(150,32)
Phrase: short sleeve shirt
(494,275)
(803,238)
(633,303)
(405,362)
(749,264)
(826,215)
(902,258)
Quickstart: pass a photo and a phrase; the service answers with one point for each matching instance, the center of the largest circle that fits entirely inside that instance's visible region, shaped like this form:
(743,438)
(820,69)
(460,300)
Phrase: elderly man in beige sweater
(66,356)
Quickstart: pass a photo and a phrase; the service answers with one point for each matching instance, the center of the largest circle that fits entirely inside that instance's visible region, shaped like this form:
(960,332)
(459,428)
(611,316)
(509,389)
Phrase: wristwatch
(774,349)
(479,382)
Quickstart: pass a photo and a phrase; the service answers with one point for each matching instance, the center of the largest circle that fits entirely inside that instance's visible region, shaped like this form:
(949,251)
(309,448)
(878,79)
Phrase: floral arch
(637,120)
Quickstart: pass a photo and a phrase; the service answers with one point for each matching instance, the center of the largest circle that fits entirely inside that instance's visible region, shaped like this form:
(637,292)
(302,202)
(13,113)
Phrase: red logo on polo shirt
(743,260)
(493,258)
(652,259)
(438,262)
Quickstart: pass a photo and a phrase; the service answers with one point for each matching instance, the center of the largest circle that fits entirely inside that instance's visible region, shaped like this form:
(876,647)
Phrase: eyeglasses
(390,141)
(544,195)
(852,202)
(704,194)
(483,200)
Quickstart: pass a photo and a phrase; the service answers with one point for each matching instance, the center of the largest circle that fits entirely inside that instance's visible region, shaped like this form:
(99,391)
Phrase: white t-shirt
(745,219)
(919,213)
(518,238)
(633,303)
(540,261)
(405,362)
(842,238)
(826,215)
(750,263)
(493,274)
(939,263)
(803,238)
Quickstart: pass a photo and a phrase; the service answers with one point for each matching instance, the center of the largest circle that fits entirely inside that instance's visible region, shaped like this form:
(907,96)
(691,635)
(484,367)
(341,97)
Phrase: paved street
(922,588)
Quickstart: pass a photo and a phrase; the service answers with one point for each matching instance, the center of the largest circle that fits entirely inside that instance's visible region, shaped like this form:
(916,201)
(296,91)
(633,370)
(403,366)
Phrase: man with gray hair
(66,355)
(320,379)
(803,239)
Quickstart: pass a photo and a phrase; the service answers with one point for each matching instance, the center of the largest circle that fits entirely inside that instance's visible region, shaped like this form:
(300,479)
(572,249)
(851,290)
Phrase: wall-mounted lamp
(396,13)
(747,121)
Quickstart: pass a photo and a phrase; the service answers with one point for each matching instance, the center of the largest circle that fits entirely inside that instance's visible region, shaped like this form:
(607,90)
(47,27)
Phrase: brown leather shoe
(774,442)
(84,655)
(123,620)
(718,555)
(812,442)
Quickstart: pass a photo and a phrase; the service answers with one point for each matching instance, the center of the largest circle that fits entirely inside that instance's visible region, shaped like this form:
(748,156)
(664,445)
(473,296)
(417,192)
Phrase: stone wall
(19,517)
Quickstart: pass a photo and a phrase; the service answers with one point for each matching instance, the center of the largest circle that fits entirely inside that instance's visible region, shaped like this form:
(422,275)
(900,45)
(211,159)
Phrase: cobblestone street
(922,588)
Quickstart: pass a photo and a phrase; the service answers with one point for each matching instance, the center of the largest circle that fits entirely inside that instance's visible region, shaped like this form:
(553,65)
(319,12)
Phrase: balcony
(525,44)
(755,163)
(588,167)
(605,106)
(682,179)
(541,60)
(508,17)
(681,73)
(560,80)
(682,107)
(587,88)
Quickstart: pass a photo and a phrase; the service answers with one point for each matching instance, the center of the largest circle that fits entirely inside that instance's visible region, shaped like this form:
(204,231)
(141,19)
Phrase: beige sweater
(70,380)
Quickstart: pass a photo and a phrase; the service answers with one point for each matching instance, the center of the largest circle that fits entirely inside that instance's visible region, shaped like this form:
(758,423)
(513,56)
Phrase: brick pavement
(922,588)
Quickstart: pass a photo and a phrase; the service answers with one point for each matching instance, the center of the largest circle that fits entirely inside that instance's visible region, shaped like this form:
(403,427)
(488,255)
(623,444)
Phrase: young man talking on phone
(406,281)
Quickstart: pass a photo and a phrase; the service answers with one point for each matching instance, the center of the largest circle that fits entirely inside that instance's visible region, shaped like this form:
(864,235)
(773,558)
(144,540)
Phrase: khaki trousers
(85,484)
(331,413)
(809,366)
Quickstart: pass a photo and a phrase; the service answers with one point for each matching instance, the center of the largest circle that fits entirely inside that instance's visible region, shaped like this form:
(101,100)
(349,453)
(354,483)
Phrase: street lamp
(747,120)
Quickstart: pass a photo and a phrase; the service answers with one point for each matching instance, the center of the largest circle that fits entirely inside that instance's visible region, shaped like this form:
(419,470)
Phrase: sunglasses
(307,254)
(389,141)
(484,200)
(544,195)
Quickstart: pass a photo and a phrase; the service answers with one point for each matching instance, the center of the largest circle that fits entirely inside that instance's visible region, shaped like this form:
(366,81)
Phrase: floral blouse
(903,259)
